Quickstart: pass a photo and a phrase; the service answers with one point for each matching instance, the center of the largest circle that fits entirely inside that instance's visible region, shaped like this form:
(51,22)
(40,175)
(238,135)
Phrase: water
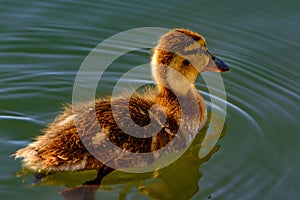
(43,44)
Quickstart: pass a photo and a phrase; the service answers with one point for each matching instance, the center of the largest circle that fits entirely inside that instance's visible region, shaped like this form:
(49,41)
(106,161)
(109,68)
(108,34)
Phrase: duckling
(178,58)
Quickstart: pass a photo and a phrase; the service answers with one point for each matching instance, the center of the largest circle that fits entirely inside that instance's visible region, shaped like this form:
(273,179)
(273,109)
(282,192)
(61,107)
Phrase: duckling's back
(67,145)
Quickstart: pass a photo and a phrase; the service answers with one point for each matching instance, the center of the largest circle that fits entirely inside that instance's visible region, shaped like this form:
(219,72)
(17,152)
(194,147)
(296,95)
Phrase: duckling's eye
(186,62)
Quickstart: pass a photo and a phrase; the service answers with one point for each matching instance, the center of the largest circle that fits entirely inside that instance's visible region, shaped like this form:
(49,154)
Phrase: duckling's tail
(43,156)
(58,149)
(30,157)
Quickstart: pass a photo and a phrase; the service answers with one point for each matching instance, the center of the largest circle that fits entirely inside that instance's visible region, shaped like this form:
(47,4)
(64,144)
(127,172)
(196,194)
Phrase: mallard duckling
(178,58)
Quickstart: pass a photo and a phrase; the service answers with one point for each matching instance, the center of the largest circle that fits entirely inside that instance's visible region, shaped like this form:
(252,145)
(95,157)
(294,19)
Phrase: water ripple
(13,115)
(18,143)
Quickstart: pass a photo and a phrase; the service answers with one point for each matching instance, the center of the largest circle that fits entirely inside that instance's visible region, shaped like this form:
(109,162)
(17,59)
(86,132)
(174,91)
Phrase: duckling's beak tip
(223,69)
(222,66)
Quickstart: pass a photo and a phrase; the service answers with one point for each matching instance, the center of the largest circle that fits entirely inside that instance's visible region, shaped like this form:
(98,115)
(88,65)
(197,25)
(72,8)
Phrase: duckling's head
(179,57)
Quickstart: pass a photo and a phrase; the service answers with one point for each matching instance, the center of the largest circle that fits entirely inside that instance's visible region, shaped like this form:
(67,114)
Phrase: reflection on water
(179,180)
(81,192)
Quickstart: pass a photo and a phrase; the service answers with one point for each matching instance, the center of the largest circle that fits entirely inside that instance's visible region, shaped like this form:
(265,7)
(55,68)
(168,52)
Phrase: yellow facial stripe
(193,48)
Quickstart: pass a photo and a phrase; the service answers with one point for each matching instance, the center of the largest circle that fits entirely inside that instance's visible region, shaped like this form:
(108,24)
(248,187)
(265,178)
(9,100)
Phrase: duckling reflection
(180,179)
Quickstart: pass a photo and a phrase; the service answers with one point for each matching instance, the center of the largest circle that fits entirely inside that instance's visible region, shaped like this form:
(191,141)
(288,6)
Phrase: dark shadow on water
(179,180)
(81,192)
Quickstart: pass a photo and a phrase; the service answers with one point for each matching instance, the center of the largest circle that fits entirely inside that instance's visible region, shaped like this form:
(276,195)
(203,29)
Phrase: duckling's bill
(215,64)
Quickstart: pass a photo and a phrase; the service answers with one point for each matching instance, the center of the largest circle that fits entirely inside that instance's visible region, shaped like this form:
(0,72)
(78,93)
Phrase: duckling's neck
(169,79)
(169,93)
(171,99)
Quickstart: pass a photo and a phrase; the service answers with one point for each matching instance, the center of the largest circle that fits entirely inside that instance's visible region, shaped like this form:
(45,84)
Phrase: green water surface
(43,43)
